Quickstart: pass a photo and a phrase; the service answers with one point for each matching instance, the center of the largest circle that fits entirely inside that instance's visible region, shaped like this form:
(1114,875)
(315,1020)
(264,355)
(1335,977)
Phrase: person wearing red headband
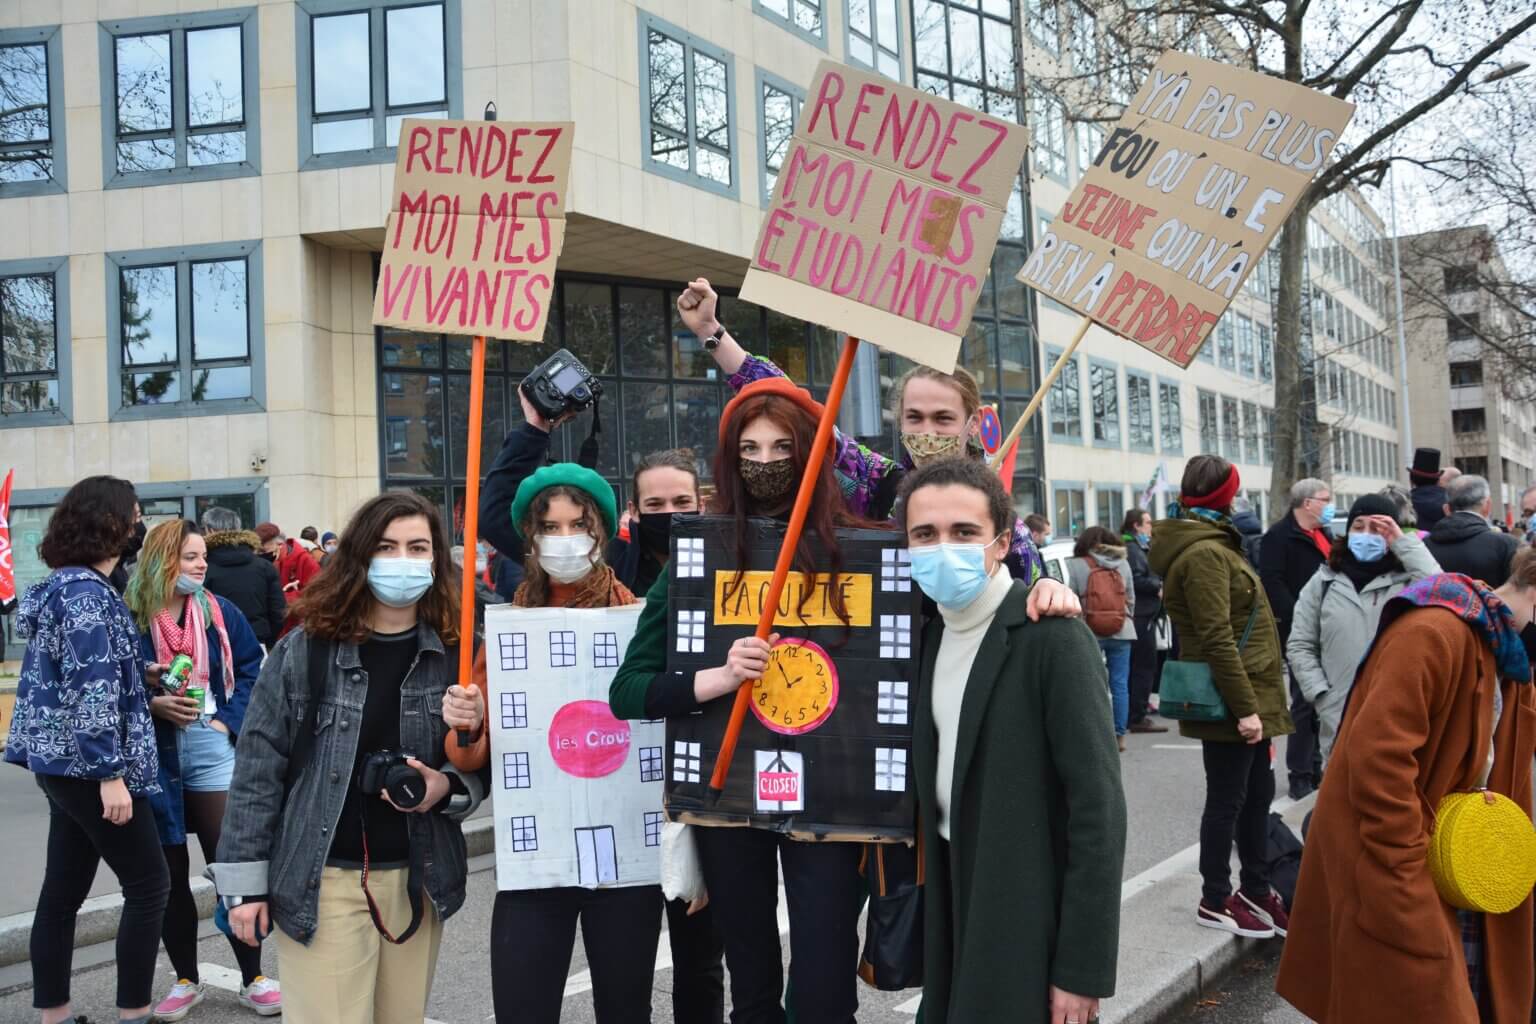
(1219,608)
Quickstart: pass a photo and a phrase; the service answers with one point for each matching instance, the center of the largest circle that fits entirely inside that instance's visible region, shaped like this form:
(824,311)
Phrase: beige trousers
(349,973)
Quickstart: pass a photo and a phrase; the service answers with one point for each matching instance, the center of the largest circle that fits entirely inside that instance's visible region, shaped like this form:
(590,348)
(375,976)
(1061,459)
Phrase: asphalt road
(1246,996)
(1164,786)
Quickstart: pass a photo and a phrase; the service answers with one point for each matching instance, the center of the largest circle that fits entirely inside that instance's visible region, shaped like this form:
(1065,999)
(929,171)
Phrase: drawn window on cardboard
(895,636)
(514,651)
(605,650)
(690,631)
(890,770)
(597,858)
(686,761)
(690,557)
(895,570)
(525,834)
(514,770)
(653,822)
(891,702)
(562,648)
(514,709)
(651,764)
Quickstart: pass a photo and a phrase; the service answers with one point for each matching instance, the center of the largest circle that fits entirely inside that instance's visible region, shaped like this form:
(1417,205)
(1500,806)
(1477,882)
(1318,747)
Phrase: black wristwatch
(713,341)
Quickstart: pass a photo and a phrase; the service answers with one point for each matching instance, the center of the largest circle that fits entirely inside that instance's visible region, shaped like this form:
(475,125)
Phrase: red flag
(1005,468)
(7,570)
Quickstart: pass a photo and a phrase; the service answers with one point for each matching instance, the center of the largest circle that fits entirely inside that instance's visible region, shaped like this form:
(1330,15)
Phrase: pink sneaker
(263,996)
(184,995)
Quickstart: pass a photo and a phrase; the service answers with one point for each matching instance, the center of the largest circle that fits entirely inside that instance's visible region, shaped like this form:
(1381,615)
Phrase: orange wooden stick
(786,555)
(471,520)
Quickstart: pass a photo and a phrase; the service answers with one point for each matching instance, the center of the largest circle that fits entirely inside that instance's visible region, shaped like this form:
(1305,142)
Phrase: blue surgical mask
(399,582)
(953,575)
(186,585)
(1367,547)
(1325,517)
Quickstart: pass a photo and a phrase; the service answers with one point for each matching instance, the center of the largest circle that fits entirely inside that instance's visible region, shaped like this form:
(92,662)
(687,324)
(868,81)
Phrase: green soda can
(176,676)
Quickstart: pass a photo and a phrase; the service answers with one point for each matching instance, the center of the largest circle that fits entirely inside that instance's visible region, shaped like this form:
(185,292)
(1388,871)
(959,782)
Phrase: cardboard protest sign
(826,749)
(576,792)
(885,214)
(1183,199)
(475,226)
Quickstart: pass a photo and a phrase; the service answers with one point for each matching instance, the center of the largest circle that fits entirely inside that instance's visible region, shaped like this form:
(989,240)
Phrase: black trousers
(698,965)
(79,838)
(1144,665)
(534,930)
(1239,787)
(1303,751)
(822,885)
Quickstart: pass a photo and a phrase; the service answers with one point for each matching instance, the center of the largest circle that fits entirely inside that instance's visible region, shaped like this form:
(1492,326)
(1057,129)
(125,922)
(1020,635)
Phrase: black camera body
(387,771)
(561,384)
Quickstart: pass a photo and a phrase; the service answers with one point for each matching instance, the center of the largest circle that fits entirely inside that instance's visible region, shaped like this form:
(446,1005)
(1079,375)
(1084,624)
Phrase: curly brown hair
(337,604)
(91,523)
(534,575)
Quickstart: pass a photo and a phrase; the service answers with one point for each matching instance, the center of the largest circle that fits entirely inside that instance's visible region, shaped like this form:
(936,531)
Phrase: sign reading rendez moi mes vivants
(885,214)
(1183,199)
(475,227)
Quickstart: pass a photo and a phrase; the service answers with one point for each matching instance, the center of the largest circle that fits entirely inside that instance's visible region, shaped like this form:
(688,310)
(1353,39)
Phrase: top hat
(1426,465)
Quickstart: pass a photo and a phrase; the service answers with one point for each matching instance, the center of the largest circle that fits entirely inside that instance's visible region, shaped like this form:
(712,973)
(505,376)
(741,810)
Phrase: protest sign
(885,214)
(1183,199)
(830,728)
(475,225)
(576,792)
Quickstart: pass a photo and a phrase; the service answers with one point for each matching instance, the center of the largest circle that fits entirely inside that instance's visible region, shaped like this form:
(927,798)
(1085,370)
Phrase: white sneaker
(184,995)
(263,996)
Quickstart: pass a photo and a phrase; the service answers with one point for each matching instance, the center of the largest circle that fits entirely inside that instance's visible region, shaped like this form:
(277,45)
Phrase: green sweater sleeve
(643,688)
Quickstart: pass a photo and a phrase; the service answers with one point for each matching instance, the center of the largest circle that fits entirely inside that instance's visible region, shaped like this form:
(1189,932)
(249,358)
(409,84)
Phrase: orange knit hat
(781,386)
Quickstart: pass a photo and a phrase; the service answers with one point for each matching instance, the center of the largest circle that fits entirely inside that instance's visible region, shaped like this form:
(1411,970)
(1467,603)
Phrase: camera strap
(587,456)
(413,883)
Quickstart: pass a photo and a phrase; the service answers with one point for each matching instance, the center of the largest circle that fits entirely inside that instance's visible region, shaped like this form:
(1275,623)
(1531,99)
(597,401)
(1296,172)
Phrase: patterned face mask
(768,482)
(928,446)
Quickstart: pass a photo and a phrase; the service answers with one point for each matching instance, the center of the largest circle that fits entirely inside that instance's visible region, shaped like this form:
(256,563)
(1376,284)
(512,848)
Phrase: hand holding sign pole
(882,226)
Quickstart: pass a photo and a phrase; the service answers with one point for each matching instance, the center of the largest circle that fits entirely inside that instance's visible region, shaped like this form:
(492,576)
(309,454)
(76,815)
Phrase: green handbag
(1186,690)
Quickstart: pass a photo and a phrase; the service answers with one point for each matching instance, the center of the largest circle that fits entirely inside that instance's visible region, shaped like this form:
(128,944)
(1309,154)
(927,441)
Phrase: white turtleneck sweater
(964,629)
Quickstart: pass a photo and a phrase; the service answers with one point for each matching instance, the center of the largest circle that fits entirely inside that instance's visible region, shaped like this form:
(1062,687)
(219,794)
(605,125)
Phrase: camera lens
(581,394)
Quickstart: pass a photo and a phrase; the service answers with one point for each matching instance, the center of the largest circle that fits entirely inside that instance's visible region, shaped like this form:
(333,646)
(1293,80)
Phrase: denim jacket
(276,844)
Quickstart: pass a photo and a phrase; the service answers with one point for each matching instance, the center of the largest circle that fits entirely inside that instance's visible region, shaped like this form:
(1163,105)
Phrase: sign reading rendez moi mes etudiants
(885,214)
(475,227)
(1183,199)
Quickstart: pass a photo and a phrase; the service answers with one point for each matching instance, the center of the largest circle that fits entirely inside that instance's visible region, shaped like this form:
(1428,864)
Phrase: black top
(1288,558)
(1465,543)
(251,585)
(386,659)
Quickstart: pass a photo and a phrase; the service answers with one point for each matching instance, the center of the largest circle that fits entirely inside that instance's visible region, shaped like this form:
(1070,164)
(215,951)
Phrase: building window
(514,710)
(874,36)
(1085,42)
(896,636)
(978,61)
(1268,448)
(1065,401)
(364,66)
(1466,375)
(690,631)
(605,650)
(1251,433)
(185,331)
(1266,354)
(653,823)
(31,112)
(890,770)
(650,764)
(1048,136)
(687,761)
(1461,279)
(802,17)
(687,98)
(1121,69)
(1231,447)
(525,834)
(1474,464)
(1104,394)
(690,557)
(1210,432)
(1226,344)
(34,365)
(895,571)
(1089,139)
(778,112)
(514,651)
(1044,29)
(891,702)
(1469,421)
(1462,326)
(1246,363)
(1138,411)
(514,770)
(1069,519)
(1111,502)
(183,95)
(1170,417)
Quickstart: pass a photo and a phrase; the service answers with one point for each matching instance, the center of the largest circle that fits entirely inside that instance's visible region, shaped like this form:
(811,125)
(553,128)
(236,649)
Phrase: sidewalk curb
(99,915)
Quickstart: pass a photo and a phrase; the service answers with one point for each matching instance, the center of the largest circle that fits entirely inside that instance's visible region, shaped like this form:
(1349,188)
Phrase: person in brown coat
(1370,938)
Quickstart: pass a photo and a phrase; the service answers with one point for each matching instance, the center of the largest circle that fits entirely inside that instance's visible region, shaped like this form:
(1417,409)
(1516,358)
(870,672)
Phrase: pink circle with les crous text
(587,741)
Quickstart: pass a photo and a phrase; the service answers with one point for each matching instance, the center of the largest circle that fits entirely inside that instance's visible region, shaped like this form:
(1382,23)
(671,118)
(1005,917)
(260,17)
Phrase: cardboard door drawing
(831,731)
(577,793)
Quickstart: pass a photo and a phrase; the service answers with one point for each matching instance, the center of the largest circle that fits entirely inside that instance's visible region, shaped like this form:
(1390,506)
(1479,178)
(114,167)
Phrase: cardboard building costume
(826,749)
(577,793)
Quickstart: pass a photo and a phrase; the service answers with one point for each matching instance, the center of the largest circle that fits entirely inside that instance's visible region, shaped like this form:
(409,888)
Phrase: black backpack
(1251,549)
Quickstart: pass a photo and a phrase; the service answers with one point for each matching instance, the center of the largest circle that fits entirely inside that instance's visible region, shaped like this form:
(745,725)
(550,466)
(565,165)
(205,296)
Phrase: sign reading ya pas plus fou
(885,214)
(475,226)
(1183,199)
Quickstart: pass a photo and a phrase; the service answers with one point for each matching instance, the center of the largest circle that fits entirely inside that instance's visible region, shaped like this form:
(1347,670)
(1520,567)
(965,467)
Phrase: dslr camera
(561,384)
(386,770)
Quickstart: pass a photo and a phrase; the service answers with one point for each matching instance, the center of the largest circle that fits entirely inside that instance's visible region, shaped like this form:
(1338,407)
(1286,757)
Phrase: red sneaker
(1235,917)
(1270,909)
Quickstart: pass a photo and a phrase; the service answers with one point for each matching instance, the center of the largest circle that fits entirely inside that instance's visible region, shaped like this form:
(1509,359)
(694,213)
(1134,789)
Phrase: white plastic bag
(681,876)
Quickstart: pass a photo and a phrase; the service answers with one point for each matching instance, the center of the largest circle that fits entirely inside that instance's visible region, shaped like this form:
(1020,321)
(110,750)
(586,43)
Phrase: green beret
(571,475)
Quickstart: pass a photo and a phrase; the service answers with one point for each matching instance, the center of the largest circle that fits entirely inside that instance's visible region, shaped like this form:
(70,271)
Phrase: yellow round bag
(1482,853)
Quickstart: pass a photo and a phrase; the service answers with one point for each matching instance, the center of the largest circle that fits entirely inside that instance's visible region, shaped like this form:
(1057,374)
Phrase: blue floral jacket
(81,710)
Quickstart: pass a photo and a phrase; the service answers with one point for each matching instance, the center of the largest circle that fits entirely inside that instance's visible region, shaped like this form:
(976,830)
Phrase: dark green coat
(1208,591)
(1026,892)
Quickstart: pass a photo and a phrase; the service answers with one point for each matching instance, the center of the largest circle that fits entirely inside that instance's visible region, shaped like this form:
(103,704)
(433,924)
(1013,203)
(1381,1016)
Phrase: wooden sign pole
(1045,385)
(471,521)
(792,533)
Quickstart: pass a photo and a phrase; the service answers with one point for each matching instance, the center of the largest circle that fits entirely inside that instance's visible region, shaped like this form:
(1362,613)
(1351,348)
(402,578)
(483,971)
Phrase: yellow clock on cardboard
(798,690)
